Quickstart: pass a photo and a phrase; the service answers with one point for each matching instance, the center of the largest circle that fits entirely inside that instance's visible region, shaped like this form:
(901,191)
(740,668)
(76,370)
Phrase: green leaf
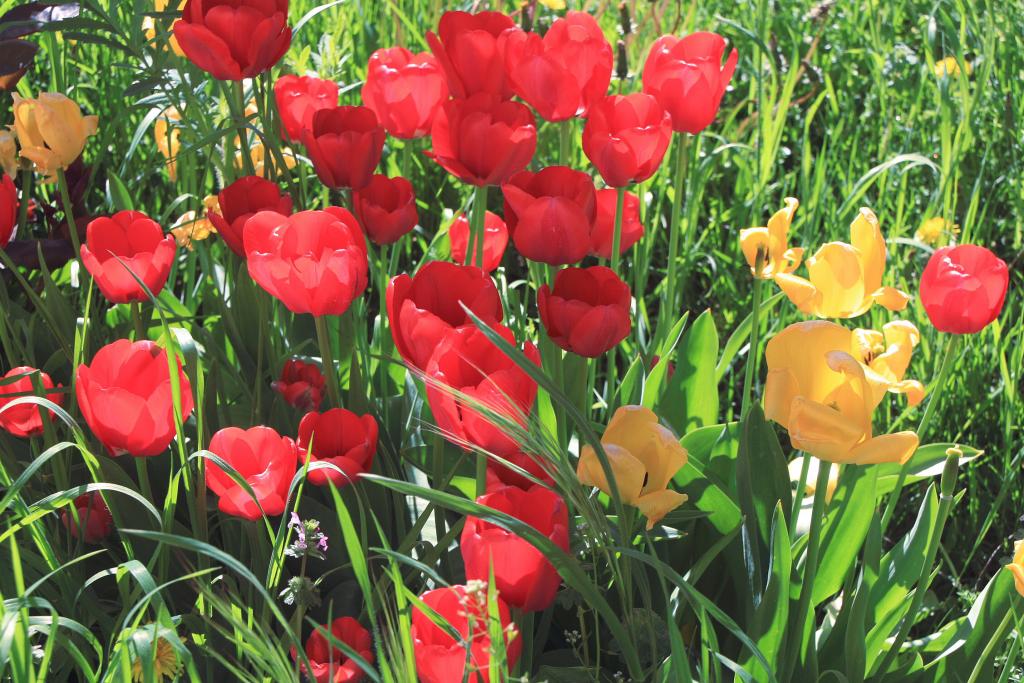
(118,197)
(691,399)
(768,626)
(926,462)
(845,530)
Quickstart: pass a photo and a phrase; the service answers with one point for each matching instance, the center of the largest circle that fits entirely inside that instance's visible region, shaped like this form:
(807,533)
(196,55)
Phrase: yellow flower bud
(51,131)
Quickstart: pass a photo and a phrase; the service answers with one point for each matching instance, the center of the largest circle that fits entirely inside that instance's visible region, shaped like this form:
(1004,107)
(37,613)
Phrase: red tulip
(688,79)
(440,658)
(495,239)
(124,247)
(626,137)
(468,49)
(313,261)
(329,664)
(301,385)
(424,308)
(240,201)
(604,225)
(587,311)
(299,98)
(264,459)
(560,74)
(234,39)
(483,140)
(468,362)
(551,214)
(499,476)
(404,90)
(344,144)
(23,420)
(523,576)
(126,397)
(94,518)
(386,208)
(341,438)
(8,209)
(963,288)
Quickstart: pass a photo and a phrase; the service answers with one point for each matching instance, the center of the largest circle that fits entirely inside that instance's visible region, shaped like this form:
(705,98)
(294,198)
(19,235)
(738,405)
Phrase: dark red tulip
(234,39)
(298,99)
(523,576)
(498,475)
(94,519)
(126,246)
(424,308)
(264,459)
(468,49)
(560,74)
(687,77)
(626,137)
(468,362)
(23,420)
(483,140)
(301,384)
(963,288)
(313,261)
(344,144)
(126,397)
(240,201)
(405,90)
(440,658)
(329,664)
(386,208)
(342,438)
(604,225)
(551,214)
(587,311)
(495,239)
(8,209)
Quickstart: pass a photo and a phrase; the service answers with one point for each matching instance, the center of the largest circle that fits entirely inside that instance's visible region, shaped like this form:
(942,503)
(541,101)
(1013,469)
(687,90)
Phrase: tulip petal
(629,472)
(654,506)
(896,448)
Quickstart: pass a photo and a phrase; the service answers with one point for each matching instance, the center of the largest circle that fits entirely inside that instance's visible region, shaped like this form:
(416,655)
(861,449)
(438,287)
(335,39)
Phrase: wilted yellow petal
(891,299)
(654,506)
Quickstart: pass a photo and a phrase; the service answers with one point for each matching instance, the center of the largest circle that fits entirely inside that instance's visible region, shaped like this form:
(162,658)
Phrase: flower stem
(69,214)
(327,359)
(140,328)
(238,113)
(565,131)
(610,384)
(753,350)
(668,307)
(952,348)
(481,474)
(475,248)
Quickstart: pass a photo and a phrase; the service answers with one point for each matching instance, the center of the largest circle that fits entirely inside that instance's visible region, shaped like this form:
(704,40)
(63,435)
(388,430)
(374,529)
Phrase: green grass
(836,104)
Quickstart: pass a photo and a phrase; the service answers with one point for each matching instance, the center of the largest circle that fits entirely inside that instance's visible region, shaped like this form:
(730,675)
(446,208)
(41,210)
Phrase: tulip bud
(949,471)
(621,62)
(625,23)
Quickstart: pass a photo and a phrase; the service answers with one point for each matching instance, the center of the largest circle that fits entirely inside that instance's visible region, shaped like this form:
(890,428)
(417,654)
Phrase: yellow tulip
(556,5)
(936,231)
(192,227)
(8,153)
(771,242)
(845,279)
(51,131)
(168,134)
(821,390)
(643,456)
(149,26)
(948,66)
(887,353)
(258,155)
(1017,566)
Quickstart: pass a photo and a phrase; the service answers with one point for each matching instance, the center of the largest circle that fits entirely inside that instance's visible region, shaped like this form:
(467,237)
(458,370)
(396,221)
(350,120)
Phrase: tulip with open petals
(604,223)
(234,39)
(301,384)
(561,73)
(963,288)
(845,280)
(329,664)
(240,201)
(264,459)
(771,244)
(586,311)
(386,208)
(424,308)
(821,391)
(687,77)
(550,214)
(483,140)
(626,138)
(51,131)
(23,420)
(470,52)
(126,397)
(126,246)
(341,438)
(441,658)
(344,144)
(313,261)
(94,519)
(524,577)
(643,457)
(495,239)
(404,90)
(298,98)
